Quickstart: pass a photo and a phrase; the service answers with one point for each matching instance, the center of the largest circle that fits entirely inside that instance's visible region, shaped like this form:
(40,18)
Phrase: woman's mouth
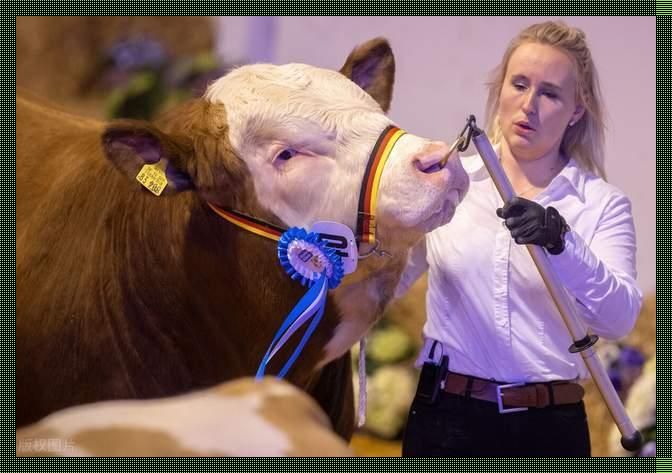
(523,128)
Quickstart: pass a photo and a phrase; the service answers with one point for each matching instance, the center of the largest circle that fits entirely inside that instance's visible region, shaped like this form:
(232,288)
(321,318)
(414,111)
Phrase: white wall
(443,62)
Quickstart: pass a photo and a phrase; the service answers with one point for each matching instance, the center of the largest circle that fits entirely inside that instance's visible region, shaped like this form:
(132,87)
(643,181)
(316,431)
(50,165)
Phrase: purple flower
(648,450)
(134,54)
(631,357)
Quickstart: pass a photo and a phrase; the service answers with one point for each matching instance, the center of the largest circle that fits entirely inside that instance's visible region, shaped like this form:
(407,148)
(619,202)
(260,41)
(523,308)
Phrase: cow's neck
(361,298)
(237,294)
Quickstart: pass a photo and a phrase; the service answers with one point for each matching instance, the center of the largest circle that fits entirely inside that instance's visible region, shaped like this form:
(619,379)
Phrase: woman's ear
(576,116)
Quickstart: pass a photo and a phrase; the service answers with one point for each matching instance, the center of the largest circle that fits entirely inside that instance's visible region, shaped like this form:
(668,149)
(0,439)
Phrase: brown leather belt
(514,397)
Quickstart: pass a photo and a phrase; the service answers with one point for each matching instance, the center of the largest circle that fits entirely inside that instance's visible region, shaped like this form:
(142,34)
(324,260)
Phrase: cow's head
(292,142)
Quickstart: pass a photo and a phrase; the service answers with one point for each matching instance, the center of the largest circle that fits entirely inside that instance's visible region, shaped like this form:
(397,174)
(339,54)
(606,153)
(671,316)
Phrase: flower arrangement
(391,379)
(634,378)
(641,408)
(143,78)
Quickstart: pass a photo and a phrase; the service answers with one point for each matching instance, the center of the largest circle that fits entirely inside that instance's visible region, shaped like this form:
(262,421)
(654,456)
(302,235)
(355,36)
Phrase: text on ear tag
(153,177)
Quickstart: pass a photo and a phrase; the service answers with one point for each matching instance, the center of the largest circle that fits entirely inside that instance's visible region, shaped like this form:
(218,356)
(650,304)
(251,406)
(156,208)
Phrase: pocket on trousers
(567,432)
(438,429)
(570,413)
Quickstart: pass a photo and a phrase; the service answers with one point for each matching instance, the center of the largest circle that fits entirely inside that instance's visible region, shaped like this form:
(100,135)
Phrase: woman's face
(537,101)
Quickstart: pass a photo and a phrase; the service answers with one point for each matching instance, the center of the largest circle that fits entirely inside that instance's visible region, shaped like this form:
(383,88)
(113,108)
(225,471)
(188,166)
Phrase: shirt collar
(575,176)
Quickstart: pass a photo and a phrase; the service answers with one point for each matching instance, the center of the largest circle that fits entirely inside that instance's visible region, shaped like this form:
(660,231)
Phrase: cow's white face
(306,134)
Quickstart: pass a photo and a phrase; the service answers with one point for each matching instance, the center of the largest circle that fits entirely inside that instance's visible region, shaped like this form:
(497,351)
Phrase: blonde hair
(584,141)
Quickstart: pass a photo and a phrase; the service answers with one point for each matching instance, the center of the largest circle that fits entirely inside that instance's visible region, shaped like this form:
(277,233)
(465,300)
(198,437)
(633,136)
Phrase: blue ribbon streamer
(298,310)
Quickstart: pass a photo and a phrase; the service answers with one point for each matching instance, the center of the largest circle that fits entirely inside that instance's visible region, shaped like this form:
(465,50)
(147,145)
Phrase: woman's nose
(529,103)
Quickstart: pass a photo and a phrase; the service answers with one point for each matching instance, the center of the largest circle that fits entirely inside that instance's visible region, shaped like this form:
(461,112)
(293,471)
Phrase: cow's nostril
(428,168)
(430,159)
(433,168)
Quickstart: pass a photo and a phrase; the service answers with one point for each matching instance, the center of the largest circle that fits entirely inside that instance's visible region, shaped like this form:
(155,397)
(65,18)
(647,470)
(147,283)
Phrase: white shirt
(487,303)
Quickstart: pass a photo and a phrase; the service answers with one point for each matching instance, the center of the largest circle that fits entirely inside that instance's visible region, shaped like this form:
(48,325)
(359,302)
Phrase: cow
(123,293)
(242,417)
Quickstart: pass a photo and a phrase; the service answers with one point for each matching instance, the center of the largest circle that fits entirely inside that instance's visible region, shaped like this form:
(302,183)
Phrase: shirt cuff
(577,264)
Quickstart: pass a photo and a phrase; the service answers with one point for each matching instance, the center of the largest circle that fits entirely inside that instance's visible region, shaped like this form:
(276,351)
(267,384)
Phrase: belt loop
(431,351)
(551,399)
(470,384)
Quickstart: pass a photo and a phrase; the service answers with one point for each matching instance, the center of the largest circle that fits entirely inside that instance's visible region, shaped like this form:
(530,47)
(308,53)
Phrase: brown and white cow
(122,294)
(242,417)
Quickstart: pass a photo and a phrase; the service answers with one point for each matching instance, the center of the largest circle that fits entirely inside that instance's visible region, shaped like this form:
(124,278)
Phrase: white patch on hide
(204,422)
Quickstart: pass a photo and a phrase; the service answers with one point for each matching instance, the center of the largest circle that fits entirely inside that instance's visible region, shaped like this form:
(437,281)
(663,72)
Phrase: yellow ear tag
(153,177)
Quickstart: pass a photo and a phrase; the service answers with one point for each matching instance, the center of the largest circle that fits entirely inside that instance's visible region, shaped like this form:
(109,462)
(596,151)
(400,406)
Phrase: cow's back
(51,145)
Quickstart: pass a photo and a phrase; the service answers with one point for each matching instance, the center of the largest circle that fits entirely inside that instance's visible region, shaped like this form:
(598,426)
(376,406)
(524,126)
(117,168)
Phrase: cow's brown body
(125,295)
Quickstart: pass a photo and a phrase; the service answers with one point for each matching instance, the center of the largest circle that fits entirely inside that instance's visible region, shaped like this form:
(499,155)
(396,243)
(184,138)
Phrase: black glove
(530,223)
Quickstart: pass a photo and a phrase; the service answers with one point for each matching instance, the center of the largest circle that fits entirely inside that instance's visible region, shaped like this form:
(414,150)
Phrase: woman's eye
(286,155)
(519,86)
(551,95)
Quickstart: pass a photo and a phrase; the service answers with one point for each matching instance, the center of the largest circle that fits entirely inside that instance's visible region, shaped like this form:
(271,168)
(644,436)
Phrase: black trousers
(455,426)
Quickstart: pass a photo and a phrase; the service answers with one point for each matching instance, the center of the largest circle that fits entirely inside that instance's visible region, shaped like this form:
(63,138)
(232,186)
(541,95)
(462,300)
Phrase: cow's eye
(286,154)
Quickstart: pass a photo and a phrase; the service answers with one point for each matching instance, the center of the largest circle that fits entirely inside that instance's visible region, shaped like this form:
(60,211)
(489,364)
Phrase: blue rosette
(305,258)
(308,260)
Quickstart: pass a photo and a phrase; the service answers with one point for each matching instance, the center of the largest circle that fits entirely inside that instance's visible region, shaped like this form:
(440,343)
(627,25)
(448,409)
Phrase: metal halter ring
(376,251)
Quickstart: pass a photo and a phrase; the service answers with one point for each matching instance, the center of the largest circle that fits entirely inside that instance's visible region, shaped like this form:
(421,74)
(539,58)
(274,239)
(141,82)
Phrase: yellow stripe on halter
(246,224)
(378,172)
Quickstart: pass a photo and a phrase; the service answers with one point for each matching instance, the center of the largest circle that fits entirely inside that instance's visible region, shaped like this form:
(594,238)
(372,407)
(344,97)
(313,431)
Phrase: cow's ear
(130,145)
(371,66)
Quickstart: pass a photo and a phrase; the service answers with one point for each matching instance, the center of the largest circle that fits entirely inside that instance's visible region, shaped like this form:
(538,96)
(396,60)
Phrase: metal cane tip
(633,442)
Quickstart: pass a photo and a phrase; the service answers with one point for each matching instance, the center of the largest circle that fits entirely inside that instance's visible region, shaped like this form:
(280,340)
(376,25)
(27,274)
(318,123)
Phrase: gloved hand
(530,223)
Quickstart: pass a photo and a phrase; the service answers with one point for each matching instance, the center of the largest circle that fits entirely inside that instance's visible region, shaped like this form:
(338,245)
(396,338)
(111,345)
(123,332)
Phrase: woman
(488,309)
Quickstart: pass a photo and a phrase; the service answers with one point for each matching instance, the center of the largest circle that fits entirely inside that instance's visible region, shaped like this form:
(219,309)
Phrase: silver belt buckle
(500,402)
